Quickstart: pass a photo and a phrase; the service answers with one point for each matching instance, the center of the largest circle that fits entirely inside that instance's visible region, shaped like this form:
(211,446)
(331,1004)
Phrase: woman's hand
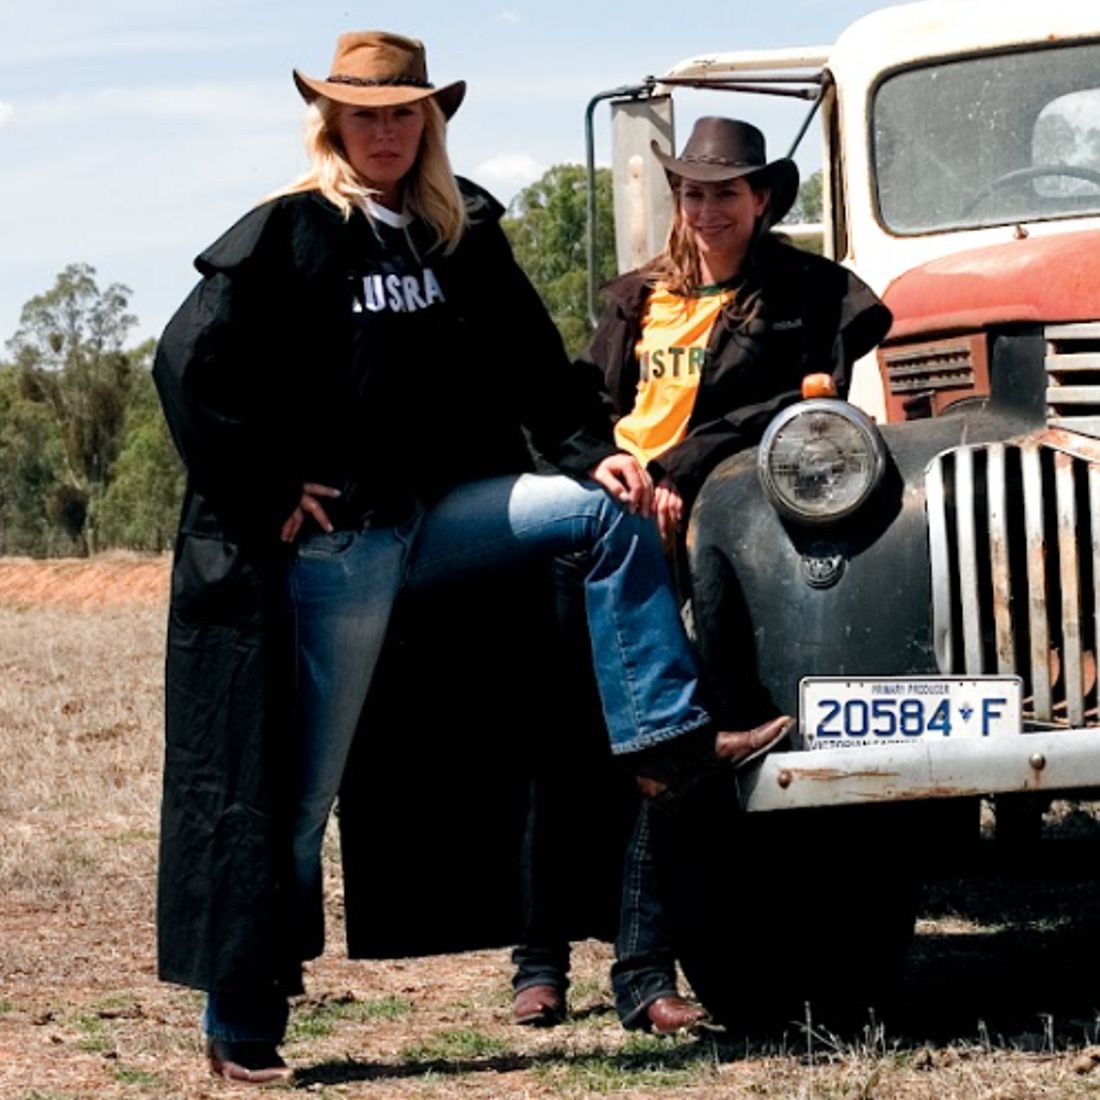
(310,505)
(626,481)
(668,508)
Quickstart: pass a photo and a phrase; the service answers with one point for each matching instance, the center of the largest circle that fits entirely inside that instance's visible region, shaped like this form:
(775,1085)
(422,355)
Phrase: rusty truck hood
(1049,278)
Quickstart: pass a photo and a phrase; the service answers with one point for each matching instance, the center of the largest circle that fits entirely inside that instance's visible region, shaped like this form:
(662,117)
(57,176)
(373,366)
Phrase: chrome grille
(1014,542)
(1073,376)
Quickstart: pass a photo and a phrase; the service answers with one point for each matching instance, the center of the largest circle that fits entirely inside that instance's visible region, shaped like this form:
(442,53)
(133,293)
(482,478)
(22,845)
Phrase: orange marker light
(818,385)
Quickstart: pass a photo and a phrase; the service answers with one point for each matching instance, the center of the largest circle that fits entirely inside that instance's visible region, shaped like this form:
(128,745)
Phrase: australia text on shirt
(398,293)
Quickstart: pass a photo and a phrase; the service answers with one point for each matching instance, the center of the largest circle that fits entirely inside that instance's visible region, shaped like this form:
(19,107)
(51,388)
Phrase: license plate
(839,712)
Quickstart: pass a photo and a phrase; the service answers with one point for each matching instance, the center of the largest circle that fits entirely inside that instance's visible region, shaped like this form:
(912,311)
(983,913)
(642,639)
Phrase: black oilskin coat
(814,316)
(244,371)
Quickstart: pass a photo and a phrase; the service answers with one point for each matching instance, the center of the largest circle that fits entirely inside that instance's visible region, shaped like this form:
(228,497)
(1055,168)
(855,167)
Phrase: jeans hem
(648,740)
(238,1037)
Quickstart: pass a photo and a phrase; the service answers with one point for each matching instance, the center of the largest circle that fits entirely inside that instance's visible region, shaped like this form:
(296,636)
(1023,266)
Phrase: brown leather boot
(673,1014)
(679,771)
(247,1063)
(538,1006)
(742,747)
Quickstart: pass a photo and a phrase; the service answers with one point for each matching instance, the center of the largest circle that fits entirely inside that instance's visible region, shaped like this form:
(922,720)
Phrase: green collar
(709,289)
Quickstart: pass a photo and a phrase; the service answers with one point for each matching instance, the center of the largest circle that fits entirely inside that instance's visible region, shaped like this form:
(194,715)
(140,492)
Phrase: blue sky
(132,132)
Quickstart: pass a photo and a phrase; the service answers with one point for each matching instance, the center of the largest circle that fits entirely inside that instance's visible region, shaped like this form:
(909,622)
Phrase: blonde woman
(352,386)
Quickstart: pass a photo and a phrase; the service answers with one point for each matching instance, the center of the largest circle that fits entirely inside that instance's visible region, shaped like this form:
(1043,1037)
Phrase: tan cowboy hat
(726,149)
(379,69)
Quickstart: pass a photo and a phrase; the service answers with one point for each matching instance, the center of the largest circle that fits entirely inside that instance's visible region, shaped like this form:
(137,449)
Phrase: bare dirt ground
(998,1004)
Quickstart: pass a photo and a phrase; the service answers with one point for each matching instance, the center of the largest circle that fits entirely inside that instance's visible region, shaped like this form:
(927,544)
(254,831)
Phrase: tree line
(86,461)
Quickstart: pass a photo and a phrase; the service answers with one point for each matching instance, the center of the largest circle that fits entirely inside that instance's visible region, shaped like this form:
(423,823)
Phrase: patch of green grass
(461,1044)
(6,1006)
(97,1036)
(590,989)
(642,1062)
(593,1016)
(305,1026)
(383,1008)
(131,1075)
(317,1021)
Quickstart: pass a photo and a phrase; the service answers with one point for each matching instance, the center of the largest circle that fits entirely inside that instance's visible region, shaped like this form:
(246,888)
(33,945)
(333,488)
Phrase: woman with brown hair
(352,386)
(703,346)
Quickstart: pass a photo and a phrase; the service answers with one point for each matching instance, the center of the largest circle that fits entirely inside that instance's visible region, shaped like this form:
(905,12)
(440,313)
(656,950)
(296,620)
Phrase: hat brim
(449,97)
(779,176)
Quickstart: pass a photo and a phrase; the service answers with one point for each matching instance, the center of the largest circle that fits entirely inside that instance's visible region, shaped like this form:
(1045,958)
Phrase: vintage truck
(918,581)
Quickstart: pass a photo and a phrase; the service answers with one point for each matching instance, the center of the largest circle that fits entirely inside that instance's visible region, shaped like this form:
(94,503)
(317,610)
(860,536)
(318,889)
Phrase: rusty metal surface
(997,500)
(1069,576)
(1036,581)
(968,560)
(1094,515)
(1081,446)
(943,640)
(940,371)
(1031,280)
(1062,761)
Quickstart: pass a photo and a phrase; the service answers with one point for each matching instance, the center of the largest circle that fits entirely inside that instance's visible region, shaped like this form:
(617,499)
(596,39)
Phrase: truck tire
(772,912)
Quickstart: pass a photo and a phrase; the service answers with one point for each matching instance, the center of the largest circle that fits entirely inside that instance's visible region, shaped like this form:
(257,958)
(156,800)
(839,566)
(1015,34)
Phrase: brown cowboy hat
(379,69)
(726,149)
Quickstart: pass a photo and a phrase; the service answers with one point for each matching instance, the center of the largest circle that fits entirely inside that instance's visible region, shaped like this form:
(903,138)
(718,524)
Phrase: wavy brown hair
(679,268)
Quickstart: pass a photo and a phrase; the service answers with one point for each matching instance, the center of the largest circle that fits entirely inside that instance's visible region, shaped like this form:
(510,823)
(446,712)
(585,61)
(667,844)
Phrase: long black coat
(241,371)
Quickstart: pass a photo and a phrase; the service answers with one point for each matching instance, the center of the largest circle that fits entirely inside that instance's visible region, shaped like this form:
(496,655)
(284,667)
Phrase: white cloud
(506,173)
(6,111)
(509,16)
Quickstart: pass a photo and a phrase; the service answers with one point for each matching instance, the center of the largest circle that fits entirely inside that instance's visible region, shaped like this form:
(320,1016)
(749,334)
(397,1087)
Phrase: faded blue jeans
(343,587)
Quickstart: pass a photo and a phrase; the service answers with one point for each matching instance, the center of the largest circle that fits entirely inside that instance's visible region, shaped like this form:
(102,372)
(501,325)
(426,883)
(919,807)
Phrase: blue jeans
(259,1017)
(343,587)
(645,964)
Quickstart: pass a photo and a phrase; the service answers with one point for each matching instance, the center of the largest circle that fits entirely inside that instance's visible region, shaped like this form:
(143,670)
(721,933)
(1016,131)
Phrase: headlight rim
(867,429)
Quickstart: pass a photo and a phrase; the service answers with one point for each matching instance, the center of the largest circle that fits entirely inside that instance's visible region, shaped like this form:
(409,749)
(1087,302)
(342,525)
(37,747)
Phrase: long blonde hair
(431,191)
(679,268)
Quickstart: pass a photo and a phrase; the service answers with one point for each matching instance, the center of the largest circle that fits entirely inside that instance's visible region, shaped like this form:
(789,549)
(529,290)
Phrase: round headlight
(820,460)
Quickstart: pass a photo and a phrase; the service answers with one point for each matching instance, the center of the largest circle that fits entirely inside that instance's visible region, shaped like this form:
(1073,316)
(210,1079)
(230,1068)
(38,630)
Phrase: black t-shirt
(399,324)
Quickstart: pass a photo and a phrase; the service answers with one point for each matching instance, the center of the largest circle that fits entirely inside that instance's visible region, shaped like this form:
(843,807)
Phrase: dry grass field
(998,1003)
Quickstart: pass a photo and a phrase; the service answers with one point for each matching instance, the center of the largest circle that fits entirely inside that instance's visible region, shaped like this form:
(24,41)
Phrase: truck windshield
(989,140)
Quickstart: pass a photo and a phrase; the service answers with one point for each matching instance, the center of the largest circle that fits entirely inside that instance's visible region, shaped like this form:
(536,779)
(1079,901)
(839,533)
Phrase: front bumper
(1061,761)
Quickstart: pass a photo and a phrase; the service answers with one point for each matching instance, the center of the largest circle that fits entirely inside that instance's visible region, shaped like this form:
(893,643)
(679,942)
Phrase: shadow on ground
(1006,957)
(1010,954)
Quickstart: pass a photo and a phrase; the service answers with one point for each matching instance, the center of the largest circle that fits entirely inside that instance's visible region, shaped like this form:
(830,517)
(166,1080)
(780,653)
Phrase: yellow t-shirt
(671,353)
